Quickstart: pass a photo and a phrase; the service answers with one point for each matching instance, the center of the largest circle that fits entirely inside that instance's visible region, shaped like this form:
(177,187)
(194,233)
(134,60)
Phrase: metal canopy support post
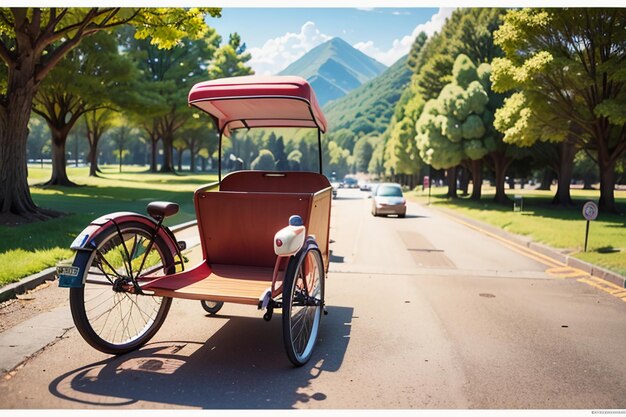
(319,146)
(219,157)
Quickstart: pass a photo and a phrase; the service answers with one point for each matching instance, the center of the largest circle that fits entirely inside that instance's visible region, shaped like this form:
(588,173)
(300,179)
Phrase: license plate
(69,277)
(68,271)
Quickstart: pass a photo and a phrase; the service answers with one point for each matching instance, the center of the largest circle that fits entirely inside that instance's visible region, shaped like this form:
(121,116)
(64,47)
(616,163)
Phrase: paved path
(424,312)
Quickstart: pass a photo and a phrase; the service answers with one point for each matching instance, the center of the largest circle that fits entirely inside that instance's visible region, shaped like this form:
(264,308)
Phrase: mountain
(369,107)
(334,68)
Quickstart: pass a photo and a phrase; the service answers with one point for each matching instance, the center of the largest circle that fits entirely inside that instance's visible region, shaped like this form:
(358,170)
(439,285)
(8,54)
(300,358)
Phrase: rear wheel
(303,298)
(108,316)
(212,307)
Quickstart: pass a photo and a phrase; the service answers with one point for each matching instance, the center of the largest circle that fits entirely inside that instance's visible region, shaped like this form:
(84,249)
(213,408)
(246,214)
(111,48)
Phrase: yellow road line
(556,268)
(566,272)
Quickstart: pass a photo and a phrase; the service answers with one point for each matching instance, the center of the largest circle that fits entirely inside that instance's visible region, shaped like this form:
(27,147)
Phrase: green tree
(38,139)
(169,73)
(32,42)
(457,125)
(264,162)
(230,59)
(362,154)
(335,158)
(468,31)
(97,123)
(121,135)
(568,68)
(376,166)
(196,135)
(400,152)
(294,160)
(520,127)
(585,168)
(89,78)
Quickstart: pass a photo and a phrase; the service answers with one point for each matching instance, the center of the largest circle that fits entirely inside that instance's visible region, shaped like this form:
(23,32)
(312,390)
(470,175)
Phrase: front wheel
(212,307)
(303,301)
(110,318)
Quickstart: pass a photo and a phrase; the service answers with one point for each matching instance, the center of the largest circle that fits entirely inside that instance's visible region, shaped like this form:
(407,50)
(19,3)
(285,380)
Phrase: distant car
(350,182)
(364,186)
(388,199)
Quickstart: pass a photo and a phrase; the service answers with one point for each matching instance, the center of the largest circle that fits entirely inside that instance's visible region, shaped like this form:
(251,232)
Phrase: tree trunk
(94,139)
(59,160)
(16,203)
(464,181)
(477,179)
(168,153)
(179,155)
(451,175)
(607,186)
(153,155)
(546,180)
(501,164)
(192,161)
(203,164)
(567,151)
(93,160)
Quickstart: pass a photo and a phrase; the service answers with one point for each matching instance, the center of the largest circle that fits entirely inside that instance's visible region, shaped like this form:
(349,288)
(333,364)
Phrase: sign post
(590,212)
(430,181)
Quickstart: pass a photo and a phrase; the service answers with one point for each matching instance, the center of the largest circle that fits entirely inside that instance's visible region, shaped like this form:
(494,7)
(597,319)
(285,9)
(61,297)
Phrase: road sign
(590,210)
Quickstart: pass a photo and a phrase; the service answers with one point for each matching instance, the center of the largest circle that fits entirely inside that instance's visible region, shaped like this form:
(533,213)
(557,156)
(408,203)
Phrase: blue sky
(278,36)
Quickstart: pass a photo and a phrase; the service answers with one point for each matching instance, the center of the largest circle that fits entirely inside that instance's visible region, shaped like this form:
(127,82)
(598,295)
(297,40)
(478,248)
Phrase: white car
(388,199)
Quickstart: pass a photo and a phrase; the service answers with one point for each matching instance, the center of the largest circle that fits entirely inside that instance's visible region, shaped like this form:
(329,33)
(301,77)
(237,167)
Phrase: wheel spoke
(119,320)
(304,307)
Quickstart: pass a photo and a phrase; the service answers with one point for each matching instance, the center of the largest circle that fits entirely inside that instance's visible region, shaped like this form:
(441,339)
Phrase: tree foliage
(264,162)
(362,154)
(93,76)
(32,42)
(230,59)
(456,126)
(568,68)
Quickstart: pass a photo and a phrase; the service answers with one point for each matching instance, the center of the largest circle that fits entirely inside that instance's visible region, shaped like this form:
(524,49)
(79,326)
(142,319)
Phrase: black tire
(212,307)
(402,216)
(300,322)
(104,269)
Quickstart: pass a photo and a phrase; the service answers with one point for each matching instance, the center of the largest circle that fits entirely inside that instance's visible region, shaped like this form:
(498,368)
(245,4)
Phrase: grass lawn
(562,228)
(29,248)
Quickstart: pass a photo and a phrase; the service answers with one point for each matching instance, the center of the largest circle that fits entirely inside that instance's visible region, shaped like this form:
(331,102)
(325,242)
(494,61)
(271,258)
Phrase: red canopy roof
(258,101)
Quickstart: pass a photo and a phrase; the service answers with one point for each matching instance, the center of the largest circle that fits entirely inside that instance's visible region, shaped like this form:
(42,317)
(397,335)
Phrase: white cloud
(402,46)
(277,53)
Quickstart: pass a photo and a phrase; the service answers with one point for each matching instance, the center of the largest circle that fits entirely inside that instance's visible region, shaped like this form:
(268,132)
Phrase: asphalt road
(424,312)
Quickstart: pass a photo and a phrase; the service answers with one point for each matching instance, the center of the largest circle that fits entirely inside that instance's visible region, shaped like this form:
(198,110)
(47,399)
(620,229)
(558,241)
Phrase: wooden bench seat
(228,283)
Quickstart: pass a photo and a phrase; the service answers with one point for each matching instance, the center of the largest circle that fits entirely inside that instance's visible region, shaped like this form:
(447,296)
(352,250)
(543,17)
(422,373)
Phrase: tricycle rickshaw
(264,236)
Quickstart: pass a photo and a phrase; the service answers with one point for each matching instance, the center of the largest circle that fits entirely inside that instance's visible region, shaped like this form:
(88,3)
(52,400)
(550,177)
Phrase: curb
(559,255)
(49,274)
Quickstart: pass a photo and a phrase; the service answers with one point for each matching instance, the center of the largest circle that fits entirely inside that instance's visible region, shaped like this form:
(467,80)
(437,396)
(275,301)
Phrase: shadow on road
(407,216)
(350,197)
(242,366)
(335,258)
